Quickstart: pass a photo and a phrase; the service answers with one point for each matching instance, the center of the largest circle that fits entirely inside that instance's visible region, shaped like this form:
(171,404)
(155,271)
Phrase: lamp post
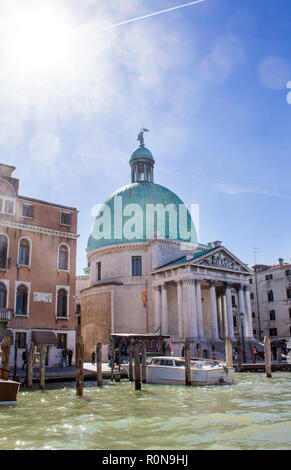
(242,333)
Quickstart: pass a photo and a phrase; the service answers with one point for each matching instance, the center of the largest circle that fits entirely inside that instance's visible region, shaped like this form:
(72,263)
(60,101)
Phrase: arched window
(62,303)
(3,296)
(21,300)
(270,296)
(3,251)
(63,257)
(24,252)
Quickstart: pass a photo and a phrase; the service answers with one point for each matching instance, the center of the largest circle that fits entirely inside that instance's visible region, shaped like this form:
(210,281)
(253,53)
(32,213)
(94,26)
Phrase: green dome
(113,226)
(141,152)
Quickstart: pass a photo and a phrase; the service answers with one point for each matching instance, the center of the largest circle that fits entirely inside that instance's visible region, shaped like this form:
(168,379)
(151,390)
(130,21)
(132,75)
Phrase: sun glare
(37,40)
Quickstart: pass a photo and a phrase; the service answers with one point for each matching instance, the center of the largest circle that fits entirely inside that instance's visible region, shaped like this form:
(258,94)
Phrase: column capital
(211,283)
(157,288)
(164,286)
(228,285)
(246,288)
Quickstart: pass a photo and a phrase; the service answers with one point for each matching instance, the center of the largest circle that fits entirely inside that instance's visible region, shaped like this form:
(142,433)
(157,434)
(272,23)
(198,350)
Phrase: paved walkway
(65,373)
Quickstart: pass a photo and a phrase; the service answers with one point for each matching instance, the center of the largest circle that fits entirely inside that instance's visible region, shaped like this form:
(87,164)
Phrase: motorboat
(8,391)
(171,370)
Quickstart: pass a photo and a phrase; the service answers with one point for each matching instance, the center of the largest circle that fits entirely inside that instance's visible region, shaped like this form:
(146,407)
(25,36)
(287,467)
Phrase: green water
(254,413)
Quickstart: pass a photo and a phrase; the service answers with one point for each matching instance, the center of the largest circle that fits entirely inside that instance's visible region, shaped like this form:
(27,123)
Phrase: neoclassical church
(149,274)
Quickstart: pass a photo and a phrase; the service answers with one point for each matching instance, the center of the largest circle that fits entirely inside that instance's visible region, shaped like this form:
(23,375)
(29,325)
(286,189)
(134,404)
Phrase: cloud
(235,189)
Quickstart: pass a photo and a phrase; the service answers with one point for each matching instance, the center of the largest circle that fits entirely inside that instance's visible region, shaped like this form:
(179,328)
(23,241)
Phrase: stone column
(193,309)
(241,305)
(199,310)
(180,308)
(157,291)
(249,320)
(229,312)
(164,321)
(214,328)
(186,309)
(219,315)
(224,316)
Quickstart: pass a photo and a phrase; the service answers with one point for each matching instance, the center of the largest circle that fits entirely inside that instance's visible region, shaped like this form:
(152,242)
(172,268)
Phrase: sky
(210,81)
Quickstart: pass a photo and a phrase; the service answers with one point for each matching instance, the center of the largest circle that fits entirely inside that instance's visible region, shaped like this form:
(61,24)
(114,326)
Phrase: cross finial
(140,136)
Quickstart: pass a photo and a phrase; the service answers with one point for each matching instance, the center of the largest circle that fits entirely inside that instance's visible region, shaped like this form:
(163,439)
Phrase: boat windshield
(162,362)
(180,363)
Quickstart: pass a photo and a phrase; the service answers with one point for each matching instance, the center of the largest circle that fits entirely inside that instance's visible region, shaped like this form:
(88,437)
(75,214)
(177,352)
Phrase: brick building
(37,269)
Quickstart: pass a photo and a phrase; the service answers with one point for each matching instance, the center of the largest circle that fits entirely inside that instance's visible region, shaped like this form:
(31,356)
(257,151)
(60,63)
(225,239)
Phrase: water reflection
(254,413)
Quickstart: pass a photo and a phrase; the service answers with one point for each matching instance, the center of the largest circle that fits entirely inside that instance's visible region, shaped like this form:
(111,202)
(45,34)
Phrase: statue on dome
(140,136)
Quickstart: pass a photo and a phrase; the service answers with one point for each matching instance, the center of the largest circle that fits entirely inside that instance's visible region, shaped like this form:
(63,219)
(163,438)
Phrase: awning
(44,337)
(4,333)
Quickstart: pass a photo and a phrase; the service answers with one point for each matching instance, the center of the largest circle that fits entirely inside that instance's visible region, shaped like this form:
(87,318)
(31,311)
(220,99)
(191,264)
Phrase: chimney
(281,262)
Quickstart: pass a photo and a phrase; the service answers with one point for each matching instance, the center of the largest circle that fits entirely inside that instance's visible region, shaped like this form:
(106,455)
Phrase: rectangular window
(66,218)
(289,312)
(273,331)
(270,296)
(28,211)
(20,339)
(289,293)
(9,207)
(98,271)
(253,315)
(233,300)
(272,315)
(252,296)
(61,340)
(269,277)
(136,266)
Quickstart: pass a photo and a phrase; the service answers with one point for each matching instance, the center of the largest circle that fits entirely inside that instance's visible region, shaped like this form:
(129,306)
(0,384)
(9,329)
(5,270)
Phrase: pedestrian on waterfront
(64,357)
(255,352)
(93,356)
(70,355)
(24,359)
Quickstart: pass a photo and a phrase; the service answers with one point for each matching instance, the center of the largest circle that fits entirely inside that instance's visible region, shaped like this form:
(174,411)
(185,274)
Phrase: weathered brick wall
(95,318)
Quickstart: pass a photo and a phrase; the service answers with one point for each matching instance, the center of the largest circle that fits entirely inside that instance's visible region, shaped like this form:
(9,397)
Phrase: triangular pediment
(221,258)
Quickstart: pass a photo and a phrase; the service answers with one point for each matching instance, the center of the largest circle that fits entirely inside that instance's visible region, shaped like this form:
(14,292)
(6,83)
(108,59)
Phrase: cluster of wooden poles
(6,350)
(137,362)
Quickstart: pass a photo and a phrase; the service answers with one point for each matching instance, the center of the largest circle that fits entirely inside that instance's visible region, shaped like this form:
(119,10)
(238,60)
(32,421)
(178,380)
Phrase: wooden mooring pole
(187,362)
(143,363)
(6,346)
(99,364)
(15,361)
(130,368)
(228,354)
(42,367)
(136,356)
(79,365)
(267,348)
(29,366)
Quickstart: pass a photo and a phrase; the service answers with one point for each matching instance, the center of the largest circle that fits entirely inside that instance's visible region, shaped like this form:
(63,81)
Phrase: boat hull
(8,391)
(168,375)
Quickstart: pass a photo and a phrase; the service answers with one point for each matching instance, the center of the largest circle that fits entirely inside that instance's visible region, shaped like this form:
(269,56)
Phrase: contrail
(153,14)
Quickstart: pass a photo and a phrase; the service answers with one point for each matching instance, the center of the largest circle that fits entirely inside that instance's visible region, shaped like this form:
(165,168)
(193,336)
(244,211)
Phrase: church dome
(141,152)
(142,210)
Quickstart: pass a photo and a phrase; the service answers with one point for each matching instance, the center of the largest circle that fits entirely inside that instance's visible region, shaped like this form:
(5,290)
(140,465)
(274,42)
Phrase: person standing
(93,357)
(64,357)
(24,359)
(70,355)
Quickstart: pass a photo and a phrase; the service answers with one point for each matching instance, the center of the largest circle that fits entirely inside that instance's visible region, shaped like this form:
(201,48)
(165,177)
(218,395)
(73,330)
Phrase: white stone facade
(271,301)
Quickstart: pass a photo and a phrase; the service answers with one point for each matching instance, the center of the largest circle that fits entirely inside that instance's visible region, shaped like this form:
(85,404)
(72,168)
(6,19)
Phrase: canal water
(253,413)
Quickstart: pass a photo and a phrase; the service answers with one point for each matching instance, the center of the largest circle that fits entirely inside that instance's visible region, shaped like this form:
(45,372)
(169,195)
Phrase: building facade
(271,301)
(37,269)
(149,274)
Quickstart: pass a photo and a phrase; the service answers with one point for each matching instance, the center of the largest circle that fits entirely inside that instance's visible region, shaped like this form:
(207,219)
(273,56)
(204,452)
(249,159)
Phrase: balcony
(5,317)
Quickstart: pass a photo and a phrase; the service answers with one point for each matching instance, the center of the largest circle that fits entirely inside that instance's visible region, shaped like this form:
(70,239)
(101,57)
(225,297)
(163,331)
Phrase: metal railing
(5,314)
